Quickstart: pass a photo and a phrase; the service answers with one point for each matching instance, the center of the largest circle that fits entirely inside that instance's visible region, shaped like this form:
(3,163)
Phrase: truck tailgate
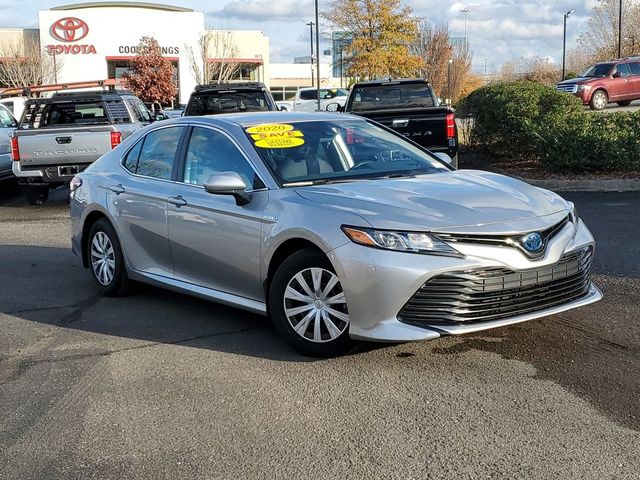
(427,127)
(63,146)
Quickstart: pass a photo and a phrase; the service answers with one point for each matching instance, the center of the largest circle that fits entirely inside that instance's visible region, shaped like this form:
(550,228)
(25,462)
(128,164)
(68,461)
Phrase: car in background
(306,99)
(613,81)
(8,124)
(15,105)
(284,106)
(409,107)
(60,136)
(174,112)
(335,226)
(214,99)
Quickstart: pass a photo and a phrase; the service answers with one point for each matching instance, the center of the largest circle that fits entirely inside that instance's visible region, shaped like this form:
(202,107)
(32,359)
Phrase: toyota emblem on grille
(532,242)
(69,29)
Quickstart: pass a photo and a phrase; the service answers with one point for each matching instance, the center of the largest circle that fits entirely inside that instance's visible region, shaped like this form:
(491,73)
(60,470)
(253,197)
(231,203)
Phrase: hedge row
(529,119)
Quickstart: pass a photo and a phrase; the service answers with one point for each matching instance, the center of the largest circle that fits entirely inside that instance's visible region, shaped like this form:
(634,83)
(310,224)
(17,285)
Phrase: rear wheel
(308,306)
(599,100)
(36,194)
(624,103)
(106,261)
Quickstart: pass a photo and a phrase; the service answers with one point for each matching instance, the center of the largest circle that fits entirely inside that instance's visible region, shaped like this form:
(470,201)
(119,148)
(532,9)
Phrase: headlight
(583,88)
(413,242)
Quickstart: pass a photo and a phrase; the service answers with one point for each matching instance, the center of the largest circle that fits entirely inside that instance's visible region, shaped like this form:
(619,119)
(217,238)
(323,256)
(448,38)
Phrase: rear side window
(131,160)
(623,70)
(635,68)
(158,152)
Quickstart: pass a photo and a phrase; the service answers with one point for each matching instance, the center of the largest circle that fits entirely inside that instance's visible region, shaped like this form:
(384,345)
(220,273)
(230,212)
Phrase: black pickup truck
(411,108)
(216,98)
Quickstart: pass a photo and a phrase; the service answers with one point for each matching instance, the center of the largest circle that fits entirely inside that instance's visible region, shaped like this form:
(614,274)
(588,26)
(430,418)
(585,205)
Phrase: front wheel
(106,261)
(599,100)
(308,306)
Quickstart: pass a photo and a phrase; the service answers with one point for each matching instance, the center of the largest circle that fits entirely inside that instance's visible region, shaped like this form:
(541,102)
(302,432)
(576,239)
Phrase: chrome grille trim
(512,241)
(571,88)
(496,293)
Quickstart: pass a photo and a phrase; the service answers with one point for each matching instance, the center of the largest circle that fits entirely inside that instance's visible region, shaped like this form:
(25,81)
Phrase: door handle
(400,122)
(117,189)
(177,201)
(63,140)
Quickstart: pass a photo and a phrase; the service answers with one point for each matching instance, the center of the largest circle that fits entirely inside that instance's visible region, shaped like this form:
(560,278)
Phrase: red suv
(613,81)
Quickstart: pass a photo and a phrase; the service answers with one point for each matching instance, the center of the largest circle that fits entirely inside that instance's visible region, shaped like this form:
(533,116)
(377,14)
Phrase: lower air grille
(487,294)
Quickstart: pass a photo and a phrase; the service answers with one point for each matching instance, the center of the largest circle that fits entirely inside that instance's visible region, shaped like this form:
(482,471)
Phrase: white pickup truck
(60,136)
(306,99)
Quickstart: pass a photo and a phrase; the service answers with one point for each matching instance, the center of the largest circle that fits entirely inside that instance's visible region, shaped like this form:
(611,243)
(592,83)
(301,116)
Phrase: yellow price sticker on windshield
(290,133)
(280,142)
(272,127)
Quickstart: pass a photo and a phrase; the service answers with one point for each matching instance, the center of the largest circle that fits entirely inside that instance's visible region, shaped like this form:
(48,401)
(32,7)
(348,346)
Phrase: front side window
(159,152)
(329,151)
(209,153)
(139,110)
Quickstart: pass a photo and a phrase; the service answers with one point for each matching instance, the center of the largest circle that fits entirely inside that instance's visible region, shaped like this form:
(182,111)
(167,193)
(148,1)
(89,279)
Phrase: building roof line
(152,6)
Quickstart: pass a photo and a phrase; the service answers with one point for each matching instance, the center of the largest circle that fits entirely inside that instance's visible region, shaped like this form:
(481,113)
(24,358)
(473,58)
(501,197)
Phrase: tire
(599,100)
(36,195)
(103,248)
(624,103)
(326,331)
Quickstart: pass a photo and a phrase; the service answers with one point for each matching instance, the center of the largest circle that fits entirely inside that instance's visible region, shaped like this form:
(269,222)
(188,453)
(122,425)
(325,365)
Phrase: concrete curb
(603,185)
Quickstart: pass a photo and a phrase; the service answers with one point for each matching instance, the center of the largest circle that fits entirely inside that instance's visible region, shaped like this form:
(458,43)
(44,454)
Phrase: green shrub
(527,119)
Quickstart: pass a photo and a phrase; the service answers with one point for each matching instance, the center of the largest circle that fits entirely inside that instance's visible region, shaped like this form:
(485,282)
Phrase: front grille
(506,240)
(568,88)
(486,294)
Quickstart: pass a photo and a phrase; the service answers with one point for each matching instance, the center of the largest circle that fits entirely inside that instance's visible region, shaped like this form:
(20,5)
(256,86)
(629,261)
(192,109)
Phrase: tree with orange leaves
(382,31)
(151,75)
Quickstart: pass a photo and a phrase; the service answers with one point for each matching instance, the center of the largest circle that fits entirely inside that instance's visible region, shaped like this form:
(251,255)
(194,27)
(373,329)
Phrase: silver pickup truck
(60,136)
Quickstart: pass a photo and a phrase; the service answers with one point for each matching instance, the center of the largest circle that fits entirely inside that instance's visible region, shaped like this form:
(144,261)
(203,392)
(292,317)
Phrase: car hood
(460,201)
(573,81)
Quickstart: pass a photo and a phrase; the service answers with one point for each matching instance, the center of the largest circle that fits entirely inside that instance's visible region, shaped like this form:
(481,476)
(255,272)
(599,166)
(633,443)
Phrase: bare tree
(215,60)
(533,69)
(23,63)
(433,45)
(600,39)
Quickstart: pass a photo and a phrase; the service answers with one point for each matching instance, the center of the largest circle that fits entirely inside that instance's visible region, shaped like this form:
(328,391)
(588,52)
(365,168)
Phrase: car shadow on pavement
(48,285)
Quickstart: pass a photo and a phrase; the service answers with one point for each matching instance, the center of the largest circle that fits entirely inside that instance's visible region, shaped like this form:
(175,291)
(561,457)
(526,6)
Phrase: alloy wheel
(315,306)
(600,100)
(103,261)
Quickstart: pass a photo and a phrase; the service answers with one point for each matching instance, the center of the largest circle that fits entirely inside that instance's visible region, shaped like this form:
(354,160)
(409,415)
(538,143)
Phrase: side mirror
(440,101)
(444,157)
(159,116)
(617,75)
(334,107)
(228,183)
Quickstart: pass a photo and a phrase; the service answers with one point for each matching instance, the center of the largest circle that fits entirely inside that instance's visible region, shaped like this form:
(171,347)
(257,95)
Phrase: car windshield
(228,102)
(322,151)
(601,70)
(408,95)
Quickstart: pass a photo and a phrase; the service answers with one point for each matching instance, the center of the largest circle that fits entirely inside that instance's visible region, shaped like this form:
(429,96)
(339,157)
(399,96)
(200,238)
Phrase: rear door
(215,242)
(138,198)
(634,78)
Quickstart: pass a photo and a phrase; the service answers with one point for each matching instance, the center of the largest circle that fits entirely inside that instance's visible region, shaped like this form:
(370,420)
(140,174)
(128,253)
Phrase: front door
(215,242)
(139,200)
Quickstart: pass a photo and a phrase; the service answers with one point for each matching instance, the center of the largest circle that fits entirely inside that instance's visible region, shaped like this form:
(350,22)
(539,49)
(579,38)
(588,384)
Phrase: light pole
(317,54)
(310,25)
(465,11)
(620,30)
(450,100)
(564,42)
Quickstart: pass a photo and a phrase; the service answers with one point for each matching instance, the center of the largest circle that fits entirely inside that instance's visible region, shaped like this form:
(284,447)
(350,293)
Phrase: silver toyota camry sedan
(334,226)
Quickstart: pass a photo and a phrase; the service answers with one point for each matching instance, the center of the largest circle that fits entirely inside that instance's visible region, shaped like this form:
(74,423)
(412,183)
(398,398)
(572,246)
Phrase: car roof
(215,87)
(247,119)
(389,81)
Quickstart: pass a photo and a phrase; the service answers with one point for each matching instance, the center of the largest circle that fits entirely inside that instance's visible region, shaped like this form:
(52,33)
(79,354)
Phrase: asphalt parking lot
(160,385)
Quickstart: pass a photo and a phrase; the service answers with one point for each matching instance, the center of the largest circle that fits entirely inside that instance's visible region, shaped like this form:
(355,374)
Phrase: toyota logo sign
(69,29)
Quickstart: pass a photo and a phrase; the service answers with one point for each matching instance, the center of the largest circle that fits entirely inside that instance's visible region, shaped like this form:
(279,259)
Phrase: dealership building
(95,41)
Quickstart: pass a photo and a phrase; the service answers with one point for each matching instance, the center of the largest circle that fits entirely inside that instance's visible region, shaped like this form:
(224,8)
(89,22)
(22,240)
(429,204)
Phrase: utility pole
(564,42)
(317,54)
(465,11)
(310,25)
(620,30)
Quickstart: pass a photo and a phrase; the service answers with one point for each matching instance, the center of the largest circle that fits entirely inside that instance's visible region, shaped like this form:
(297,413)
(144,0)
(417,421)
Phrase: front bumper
(379,283)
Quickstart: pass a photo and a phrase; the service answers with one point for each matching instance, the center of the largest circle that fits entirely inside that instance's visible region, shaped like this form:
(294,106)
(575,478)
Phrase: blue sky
(498,30)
